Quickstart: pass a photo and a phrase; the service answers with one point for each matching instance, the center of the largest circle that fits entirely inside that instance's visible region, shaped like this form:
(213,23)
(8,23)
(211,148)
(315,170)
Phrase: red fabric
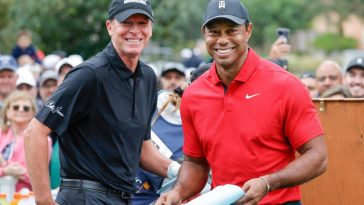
(18,156)
(254,128)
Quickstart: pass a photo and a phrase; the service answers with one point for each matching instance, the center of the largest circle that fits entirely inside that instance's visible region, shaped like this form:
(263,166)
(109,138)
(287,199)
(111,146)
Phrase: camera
(283,33)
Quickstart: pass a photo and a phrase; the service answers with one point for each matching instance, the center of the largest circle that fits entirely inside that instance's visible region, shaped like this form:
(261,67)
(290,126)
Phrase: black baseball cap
(232,10)
(357,62)
(123,9)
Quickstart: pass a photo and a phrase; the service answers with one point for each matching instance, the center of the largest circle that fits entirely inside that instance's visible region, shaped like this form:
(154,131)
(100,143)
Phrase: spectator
(26,82)
(328,75)
(338,91)
(19,109)
(191,58)
(8,76)
(65,65)
(47,84)
(354,77)
(309,80)
(24,46)
(172,76)
(245,119)
(279,50)
(50,61)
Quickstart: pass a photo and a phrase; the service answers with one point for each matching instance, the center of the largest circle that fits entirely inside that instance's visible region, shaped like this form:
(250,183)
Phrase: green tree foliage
(331,42)
(178,22)
(74,26)
(267,16)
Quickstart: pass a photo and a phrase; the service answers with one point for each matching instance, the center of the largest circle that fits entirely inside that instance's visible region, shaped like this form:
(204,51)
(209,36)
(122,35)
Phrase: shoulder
(95,62)
(147,70)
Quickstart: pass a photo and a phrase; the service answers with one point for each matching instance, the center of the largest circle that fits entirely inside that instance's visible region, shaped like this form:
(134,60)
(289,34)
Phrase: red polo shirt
(251,130)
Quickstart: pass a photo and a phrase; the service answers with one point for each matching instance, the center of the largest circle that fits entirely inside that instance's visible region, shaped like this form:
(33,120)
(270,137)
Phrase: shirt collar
(246,70)
(119,65)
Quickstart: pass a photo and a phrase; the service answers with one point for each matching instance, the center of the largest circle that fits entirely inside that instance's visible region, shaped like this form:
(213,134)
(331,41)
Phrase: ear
(203,30)
(249,31)
(109,27)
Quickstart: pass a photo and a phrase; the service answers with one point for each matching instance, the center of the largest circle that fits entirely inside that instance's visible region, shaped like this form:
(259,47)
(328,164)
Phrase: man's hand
(279,49)
(169,198)
(255,189)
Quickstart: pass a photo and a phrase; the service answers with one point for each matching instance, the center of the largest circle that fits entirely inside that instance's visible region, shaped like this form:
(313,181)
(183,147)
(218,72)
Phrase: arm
(311,163)
(279,49)
(36,155)
(152,160)
(192,178)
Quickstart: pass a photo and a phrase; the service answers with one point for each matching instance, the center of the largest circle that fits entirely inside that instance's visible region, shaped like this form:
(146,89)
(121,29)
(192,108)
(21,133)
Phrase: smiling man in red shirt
(245,118)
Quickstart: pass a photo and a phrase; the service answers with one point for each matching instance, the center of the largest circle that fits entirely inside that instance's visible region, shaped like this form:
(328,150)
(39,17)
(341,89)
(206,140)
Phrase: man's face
(327,77)
(171,80)
(311,85)
(7,82)
(131,36)
(227,42)
(47,89)
(354,80)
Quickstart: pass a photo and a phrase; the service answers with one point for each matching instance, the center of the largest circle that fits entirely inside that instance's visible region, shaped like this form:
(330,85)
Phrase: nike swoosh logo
(251,96)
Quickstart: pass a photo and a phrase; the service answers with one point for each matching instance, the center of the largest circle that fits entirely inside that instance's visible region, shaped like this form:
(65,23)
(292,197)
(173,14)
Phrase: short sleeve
(192,144)
(300,115)
(71,100)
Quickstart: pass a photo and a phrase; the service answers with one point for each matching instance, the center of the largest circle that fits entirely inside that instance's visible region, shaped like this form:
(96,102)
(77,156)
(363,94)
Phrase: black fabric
(101,120)
(67,196)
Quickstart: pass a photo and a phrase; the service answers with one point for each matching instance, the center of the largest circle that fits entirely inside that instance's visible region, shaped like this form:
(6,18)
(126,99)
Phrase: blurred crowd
(28,77)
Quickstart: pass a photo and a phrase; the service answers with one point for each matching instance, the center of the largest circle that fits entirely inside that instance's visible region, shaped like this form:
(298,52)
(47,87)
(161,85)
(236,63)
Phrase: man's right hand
(169,198)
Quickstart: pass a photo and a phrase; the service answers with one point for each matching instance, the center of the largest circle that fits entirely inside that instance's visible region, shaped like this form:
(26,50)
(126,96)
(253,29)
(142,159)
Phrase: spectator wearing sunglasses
(19,108)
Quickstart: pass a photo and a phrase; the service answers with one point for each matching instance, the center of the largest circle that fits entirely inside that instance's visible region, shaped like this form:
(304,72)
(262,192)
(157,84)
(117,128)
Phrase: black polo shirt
(102,113)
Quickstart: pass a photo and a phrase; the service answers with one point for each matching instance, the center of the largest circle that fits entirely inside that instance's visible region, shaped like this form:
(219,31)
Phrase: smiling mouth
(134,41)
(223,51)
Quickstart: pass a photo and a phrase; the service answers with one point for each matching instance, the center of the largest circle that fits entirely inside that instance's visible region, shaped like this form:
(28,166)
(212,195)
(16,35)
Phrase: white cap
(25,77)
(49,62)
(73,60)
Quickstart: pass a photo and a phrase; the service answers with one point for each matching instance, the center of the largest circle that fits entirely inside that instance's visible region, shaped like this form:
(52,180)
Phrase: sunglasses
(25,108)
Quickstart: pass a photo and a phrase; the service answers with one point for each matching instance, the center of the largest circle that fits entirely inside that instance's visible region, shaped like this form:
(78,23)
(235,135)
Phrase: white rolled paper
(220,195)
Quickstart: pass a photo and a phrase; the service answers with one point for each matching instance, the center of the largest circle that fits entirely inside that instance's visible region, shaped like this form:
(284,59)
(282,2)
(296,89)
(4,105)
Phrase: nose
(223,39)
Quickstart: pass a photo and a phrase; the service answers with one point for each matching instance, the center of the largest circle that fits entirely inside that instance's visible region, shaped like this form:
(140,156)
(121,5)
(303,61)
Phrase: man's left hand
(255,189)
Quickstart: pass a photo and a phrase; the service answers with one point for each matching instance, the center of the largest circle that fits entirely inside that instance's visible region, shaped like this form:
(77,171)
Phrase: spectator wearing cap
(65,65)
(26,82)
(47,84)
(102,115)
(173,74)
(354,77)
(309,80)
(49,62)
(8,76)
(245,119)
(328,75)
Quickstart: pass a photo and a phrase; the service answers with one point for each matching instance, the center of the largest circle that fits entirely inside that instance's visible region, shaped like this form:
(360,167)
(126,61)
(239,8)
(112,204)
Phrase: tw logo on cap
(359,61)
(136,1)
(222,4)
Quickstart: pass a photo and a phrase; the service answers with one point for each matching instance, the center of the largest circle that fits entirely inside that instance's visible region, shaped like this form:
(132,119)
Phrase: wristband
(266,183)
(172,171)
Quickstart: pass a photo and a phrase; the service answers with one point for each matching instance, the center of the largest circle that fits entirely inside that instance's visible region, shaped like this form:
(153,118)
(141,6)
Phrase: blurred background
(319,29)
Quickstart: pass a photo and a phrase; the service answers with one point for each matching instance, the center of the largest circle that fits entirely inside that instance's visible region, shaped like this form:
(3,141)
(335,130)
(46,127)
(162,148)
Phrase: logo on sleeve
(54,109)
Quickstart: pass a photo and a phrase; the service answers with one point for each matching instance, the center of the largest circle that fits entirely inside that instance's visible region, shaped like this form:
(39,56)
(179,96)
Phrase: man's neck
(131,62)
(227,74)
